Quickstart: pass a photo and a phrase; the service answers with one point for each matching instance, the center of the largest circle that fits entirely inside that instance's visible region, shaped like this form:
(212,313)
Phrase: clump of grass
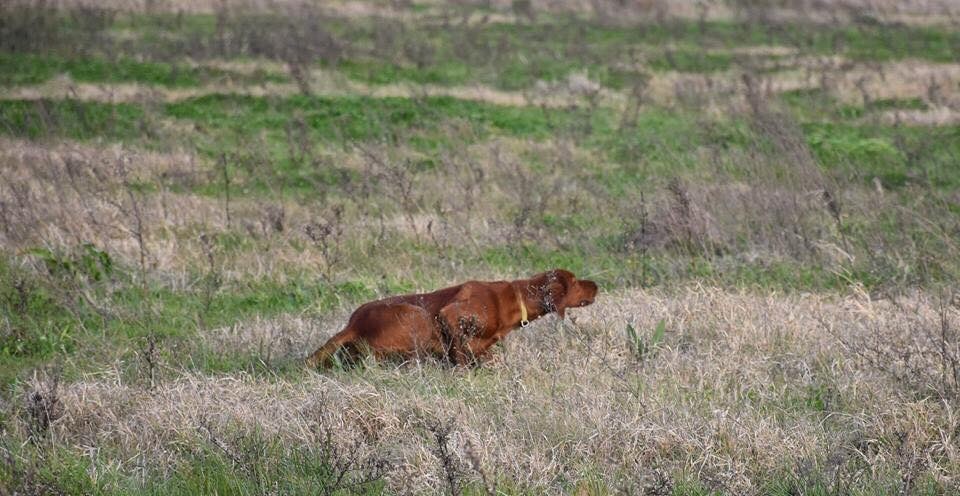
(644,347)
(43,407)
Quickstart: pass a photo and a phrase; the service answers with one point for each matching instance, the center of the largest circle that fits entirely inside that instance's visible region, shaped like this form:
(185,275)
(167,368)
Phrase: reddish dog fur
(459,323)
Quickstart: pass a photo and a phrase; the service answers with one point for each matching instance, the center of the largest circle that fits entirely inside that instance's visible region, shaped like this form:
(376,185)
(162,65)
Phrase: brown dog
(459,323)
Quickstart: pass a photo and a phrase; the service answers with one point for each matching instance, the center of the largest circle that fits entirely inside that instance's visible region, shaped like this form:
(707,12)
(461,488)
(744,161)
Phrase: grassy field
(196,195)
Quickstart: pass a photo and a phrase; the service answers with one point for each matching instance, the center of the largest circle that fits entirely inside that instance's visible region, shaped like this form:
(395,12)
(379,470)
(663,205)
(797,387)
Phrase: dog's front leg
(457,329)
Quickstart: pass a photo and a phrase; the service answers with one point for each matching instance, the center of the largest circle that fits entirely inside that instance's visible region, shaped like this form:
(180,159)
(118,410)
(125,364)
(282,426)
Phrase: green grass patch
(372,71)
(428,125)
(65,311)
(256,463)
(515,56)
(164,24)
(662,143)
(898,104)
(225,123)
(345,119)
(691,60)
(897,156)
(51,470)
(816,105)
(72,119)
(862,42)
(263,464)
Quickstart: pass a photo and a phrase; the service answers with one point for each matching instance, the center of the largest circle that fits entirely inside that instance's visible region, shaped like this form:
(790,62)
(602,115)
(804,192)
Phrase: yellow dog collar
(524,322)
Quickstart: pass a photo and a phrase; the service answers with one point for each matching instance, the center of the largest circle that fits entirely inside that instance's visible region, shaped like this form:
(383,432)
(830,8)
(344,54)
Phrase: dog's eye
(584,303)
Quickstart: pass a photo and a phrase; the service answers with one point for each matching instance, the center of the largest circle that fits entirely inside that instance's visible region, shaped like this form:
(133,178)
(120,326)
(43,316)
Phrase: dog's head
(559,290)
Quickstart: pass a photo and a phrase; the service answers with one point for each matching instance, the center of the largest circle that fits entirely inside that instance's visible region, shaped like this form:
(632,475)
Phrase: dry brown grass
(63,194)
(892,80)
(842,79)
(349,8)
(63,88)
(67,193)
(912,11)
(941,116)
(743,387)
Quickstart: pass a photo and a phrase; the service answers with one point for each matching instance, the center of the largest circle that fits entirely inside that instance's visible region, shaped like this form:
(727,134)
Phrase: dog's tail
(324,354)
